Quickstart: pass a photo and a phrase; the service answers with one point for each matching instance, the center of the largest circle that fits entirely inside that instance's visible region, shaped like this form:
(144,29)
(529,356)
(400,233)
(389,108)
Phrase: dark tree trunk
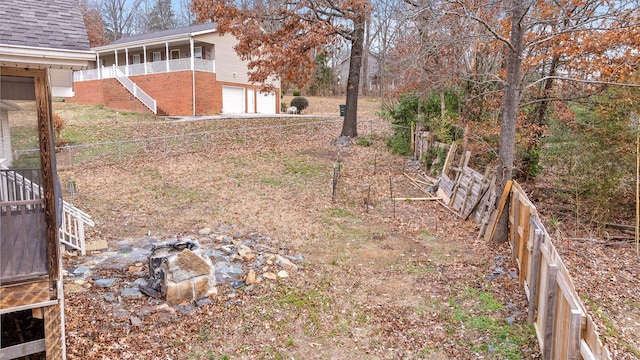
(350,124)
(510,103)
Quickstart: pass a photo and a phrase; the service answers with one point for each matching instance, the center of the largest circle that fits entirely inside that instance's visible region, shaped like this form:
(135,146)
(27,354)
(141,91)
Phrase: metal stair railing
(74,220)
(134,89)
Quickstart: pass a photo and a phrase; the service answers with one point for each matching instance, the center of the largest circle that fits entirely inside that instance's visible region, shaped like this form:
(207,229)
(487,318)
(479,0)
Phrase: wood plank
(534,273)
(54,341)
(25,293)
(503,201)
(22,350)
(575,329)
(586,352)
(449,158)
(592,338)
(550,300)
(47,161)
(513,222)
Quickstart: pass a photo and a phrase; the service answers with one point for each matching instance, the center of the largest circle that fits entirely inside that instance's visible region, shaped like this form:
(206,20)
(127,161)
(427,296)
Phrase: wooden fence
(564,328)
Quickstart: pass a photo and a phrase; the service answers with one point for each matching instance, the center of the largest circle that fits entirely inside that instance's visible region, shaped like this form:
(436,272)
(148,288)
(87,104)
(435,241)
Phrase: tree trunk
(510,103)
(350,124)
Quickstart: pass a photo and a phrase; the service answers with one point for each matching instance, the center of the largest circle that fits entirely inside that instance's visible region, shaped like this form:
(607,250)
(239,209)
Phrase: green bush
(300,103)
(410,108)
(283,107)
(296,92)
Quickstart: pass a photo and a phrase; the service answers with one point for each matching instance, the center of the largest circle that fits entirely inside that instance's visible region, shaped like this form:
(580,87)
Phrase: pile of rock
(184,271)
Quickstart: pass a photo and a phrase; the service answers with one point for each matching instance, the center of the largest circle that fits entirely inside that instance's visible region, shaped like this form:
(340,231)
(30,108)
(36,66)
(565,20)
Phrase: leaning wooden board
(495,215)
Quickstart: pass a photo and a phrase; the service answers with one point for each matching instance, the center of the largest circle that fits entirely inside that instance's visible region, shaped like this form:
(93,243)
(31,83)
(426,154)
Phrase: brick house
(177,72)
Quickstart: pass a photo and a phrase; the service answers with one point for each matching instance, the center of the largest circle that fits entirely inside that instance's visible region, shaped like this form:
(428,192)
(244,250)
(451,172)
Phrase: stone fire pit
(180,272)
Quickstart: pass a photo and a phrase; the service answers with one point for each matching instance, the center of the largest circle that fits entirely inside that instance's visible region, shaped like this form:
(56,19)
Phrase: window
(135,59)
(157,56)
(197,52)
(175,54)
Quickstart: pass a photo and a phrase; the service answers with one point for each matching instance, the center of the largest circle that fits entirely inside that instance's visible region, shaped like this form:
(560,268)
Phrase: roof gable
(51,24)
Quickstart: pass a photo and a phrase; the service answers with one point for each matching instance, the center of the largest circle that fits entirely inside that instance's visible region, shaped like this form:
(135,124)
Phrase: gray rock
(185,309)
(204,231)
(135,321)
(510,320)
(81,270)
(202,302)
(131,293)
(109,298)
(105,283)
(139,255)
(296,257)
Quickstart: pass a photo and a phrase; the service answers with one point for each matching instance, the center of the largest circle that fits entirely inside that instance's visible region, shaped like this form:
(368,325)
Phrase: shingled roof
(165,33)
(52,24)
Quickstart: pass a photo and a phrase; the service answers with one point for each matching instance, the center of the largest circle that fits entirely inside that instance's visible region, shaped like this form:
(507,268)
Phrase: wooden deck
(23,251)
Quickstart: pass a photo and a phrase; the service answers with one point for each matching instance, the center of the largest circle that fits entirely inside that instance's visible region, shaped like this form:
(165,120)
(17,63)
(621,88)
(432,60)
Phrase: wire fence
(271,136)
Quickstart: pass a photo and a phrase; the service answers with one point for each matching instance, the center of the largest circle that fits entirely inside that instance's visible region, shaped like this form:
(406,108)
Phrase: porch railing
(156,67)
(22,185)
(147,100)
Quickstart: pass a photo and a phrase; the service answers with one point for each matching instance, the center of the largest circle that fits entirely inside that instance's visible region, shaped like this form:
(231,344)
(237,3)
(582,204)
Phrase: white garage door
(232,100)
(266,102)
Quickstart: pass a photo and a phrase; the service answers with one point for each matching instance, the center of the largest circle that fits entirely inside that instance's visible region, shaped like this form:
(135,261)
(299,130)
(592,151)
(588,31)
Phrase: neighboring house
(39,40)
(374,67)
(178,72)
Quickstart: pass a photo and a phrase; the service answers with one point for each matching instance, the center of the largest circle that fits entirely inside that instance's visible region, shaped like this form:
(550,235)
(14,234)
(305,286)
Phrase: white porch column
(98,66)
(166,54)
(193,76)
(191,52)
(115,51)
(126,61)
(144,50)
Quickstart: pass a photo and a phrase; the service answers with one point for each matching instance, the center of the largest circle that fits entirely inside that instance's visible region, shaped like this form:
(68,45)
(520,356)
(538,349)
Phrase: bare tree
(184,14)
(160,16)
(118,16)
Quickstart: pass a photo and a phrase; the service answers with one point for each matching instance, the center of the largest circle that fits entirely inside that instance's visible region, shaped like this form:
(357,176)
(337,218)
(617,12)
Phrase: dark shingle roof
(171,32)
(55,24)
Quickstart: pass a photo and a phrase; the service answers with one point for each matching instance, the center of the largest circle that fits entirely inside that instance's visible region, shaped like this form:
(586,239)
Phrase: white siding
(61,82)
(229,67)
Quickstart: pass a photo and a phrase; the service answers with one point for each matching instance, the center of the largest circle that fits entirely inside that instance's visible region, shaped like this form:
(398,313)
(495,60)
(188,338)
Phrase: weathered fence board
(563,327)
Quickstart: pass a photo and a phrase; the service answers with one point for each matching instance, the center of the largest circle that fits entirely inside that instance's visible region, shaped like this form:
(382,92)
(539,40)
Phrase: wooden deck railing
(22,185)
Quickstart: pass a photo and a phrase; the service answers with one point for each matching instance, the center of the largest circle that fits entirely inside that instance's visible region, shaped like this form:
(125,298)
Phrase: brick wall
(173,93)
(208,94)
(87,92)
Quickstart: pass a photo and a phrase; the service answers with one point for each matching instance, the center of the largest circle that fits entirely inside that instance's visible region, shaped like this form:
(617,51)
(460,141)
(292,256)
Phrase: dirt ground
(403,279)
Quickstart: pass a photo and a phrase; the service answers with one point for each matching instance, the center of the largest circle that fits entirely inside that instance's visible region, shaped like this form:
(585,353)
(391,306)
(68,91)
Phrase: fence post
(164,146)
(533,279)
(550,316)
